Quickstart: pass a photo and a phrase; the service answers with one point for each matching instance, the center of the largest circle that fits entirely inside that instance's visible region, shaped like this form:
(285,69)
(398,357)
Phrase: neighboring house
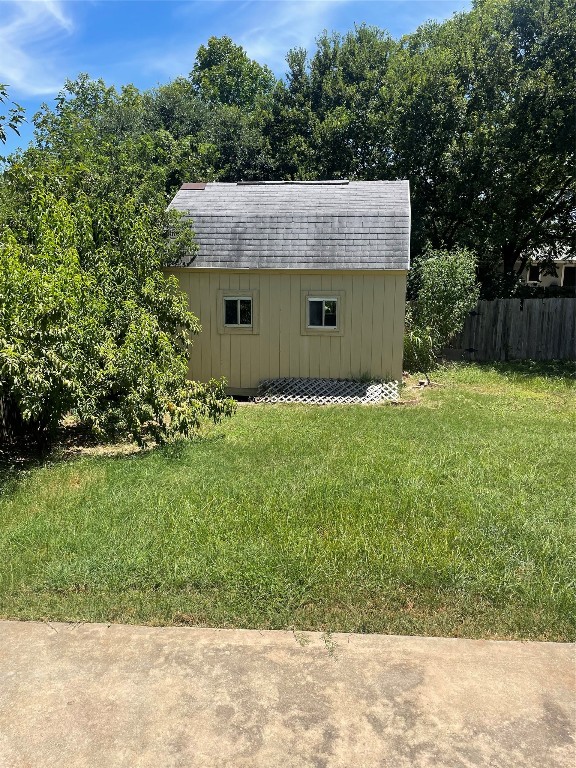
(536,274)
(297,279)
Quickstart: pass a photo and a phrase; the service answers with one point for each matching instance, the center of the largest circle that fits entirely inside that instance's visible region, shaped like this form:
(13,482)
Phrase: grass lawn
(451,515)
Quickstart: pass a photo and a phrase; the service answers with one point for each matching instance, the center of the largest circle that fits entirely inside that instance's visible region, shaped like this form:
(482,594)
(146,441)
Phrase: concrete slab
(98,695)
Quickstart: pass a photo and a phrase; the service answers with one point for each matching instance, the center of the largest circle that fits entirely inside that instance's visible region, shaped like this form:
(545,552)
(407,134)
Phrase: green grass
(453,515)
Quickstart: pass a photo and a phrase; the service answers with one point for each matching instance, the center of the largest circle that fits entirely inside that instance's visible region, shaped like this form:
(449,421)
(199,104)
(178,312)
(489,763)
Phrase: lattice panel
(326,391)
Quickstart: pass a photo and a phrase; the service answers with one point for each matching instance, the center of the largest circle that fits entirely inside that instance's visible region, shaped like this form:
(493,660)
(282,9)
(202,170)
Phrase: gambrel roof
(299,225)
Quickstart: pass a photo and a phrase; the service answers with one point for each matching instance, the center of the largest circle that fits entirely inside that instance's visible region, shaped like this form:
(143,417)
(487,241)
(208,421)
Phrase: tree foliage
(485,131)
(447,291)
(13,117)
(88,322)
(477,112)
(224,74)
(325,119)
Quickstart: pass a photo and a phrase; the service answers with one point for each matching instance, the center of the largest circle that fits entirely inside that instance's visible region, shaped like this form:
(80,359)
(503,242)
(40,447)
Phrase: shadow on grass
(527,369)
(20,456)
(545,369)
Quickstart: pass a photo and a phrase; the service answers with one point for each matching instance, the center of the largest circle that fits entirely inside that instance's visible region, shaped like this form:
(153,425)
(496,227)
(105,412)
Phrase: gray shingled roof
(301,225)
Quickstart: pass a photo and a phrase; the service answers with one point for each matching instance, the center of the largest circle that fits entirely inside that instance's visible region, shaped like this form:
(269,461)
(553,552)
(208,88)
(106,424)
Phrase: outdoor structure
(299,280)
(565,277)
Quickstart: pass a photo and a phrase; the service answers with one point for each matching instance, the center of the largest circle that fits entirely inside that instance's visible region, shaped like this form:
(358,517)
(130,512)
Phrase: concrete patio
(99,695)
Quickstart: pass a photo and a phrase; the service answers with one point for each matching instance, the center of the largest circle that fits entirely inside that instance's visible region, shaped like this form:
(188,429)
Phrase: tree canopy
(224,74)
(89,323)
(487,135)
(477,112)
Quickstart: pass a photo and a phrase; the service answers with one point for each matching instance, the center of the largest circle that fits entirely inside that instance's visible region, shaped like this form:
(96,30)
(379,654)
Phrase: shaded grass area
(450,516)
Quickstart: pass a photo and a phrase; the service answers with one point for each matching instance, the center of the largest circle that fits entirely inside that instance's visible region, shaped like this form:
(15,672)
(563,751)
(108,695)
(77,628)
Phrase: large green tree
(483,125)
(89,322)
(237,91)
(477,112)
(223,73)
(325,118)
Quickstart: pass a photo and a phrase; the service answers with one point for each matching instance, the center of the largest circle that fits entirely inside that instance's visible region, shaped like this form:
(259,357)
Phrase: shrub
(89,324)
(446,292)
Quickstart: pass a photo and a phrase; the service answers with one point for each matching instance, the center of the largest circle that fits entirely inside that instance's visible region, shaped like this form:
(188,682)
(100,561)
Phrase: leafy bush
(447,290)
(88,321)
(419,354)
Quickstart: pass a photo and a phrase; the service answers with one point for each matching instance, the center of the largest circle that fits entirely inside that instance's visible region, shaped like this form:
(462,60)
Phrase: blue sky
(44,42)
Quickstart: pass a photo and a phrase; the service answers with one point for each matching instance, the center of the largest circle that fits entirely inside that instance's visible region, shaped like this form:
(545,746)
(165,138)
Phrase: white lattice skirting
(326,391)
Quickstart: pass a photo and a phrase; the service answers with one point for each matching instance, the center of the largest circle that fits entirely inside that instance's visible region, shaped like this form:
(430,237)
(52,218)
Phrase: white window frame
(323,299)
(322,330)
(238,294)
(238,299)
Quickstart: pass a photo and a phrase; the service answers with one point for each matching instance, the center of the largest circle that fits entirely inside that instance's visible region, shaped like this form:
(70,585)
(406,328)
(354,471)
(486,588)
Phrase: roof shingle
(354,225)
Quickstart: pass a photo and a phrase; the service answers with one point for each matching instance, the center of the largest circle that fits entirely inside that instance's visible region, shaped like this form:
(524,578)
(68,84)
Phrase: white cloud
(286,24)
(28,39)
(267,29)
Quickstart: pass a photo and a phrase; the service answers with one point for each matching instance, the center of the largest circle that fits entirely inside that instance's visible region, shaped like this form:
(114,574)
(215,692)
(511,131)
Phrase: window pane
(569,277)
(231,311)
(245,311)
(330,313)
(314,312)
(534,273)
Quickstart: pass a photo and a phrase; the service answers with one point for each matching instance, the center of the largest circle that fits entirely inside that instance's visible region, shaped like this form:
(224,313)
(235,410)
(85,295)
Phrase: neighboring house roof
(299,225)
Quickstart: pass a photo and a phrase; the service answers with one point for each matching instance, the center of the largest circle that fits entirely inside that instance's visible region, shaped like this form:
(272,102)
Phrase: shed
(297,279)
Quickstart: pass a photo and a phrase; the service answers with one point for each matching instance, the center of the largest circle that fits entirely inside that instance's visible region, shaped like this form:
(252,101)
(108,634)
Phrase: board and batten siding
(370,345)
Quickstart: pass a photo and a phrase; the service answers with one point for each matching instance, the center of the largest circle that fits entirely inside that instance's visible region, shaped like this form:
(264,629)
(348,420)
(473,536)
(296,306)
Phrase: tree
(483,126)
(177,108)
(530,203)
(12,118)
(291,121)
(90,323)
(224,74)
(446,292)
(477,112)
(346,74)
(324,119)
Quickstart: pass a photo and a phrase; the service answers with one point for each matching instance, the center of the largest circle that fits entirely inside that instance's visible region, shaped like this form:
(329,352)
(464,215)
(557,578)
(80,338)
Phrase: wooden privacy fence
(519,329)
